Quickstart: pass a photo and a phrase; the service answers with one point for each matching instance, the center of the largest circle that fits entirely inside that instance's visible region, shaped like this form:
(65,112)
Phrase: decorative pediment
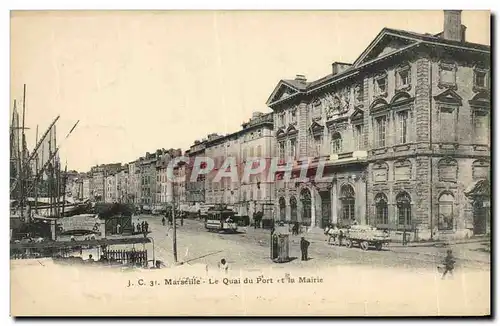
(338,123)
(281,91)
(291,130)
(401,98)
(449,96)
(357,115)
(481,99)
(316,128)
(280,133)
(385,43)
(379,105)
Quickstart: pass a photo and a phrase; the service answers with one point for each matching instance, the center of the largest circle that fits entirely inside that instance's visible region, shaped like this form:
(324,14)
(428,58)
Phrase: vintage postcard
(250,163)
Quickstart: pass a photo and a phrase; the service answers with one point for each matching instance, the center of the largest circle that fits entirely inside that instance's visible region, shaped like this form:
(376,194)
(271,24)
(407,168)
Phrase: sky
(139,81)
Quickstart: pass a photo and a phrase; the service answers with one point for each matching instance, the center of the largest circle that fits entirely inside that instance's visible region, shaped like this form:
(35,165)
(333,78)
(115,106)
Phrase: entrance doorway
(326,209)
(480,216)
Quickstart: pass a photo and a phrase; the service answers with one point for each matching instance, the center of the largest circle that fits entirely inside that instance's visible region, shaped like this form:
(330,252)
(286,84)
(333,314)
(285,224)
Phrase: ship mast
(23,152)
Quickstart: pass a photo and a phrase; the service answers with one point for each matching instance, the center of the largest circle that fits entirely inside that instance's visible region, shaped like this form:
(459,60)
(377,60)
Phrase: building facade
(402,134)
(86,187)
(256,140)
(134,193)
(99,174)
(195,190)
(147,168)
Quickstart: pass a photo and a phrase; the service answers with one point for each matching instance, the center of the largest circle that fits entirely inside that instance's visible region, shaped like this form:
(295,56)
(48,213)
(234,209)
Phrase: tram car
(220,219)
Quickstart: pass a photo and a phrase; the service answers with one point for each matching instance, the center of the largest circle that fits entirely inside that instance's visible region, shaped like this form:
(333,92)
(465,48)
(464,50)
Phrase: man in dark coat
(304,245)
(449,263)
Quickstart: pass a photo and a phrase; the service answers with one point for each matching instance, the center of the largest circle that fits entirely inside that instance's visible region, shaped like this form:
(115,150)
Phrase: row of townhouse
(246,196)
(142,182)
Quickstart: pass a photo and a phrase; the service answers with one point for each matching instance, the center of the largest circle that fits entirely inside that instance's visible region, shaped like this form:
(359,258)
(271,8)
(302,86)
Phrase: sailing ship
(37,183)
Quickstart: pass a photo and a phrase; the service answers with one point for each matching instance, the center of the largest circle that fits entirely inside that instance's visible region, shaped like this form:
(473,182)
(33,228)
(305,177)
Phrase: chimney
(301,78)
(339,67)
(453,29)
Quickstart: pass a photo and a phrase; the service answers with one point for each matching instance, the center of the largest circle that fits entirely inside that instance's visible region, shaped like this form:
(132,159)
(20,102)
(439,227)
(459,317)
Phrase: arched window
(403,201)
(305,199)
(293,208)
(381,211)
(282,209)
(336,143)
(347,202)
(446,216)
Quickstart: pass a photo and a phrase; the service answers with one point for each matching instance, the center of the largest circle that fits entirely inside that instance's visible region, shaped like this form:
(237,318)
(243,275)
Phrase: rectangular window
(447,125)
(293,145)
(481,128)
(318,142)
(380,85)
(447,75)
(293,116)
(403,77)
(480,79)
(282,119)
(281,150)
(358,137)
(403,127)
(380,125)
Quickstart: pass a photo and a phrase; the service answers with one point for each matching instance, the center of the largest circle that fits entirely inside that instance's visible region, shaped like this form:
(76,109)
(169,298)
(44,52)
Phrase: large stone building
(245,195)
(218,148)
(257,141)
(403,134)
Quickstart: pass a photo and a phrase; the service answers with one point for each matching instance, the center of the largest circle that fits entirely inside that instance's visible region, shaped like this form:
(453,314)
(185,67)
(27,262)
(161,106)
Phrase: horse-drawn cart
(364,236)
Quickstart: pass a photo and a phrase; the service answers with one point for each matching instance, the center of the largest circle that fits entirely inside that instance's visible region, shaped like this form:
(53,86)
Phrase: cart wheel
(378,246)
(364,245)
(348,243)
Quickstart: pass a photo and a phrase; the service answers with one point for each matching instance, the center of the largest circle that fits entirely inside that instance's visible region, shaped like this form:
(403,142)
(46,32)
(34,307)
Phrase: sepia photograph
(250,163)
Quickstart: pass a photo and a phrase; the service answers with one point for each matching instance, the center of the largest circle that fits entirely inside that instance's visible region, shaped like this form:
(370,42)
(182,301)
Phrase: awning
(478,188)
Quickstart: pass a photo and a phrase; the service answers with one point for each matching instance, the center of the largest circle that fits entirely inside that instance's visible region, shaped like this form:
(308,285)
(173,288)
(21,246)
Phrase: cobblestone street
(249,250)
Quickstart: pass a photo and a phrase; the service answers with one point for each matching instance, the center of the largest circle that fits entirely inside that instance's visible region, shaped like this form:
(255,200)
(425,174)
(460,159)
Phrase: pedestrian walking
(146,227)
(163,220)
(449,263)
(223,266)
(304,246)
(118,228)
(139,230)
(133,228)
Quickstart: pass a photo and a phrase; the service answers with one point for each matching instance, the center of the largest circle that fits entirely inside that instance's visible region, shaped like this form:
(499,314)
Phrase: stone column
(334,201)
(302,127)
(313,208)
(288,214)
